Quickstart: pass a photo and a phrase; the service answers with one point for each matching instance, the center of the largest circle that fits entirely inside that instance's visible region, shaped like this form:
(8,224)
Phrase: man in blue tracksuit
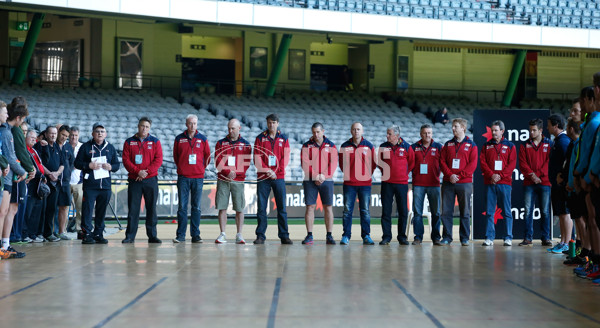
(96,159)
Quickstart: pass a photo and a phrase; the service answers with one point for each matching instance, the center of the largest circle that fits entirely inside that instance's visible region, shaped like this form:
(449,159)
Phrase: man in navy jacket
(96,159)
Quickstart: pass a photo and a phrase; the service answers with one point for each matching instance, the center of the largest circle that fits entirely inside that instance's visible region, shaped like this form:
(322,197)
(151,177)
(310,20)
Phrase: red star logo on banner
(497,215)
(211,195)
(488,133)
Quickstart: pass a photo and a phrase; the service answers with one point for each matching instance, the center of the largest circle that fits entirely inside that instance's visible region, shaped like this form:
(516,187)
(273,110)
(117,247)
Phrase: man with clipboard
(96,159)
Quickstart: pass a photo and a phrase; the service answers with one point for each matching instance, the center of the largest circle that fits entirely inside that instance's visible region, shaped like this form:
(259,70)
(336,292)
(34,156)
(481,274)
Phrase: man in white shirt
(76,183)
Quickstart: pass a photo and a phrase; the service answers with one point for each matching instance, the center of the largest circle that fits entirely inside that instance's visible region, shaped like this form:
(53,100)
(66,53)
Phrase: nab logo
(513,135)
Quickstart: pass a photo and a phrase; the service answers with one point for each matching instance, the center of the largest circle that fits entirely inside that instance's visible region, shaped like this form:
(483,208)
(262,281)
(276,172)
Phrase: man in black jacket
(96,158)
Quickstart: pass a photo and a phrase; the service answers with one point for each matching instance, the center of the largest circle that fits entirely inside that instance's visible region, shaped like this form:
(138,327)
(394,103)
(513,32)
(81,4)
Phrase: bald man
(233,155)
(357,161)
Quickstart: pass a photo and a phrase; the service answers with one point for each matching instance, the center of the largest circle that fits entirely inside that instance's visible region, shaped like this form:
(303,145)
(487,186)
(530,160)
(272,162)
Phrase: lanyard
(192,142)
(457,149)
(498,151)
(426,150)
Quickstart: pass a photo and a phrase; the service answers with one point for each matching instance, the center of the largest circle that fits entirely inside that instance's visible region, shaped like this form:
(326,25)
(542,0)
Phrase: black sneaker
(329,240)
(416,242)
(14,254)
(403,242)
(197,240)
(154,240)
(575,261)
(286,241)
(127,241)
(384,242)
(547,243)
(259,241)
(88,240)
(100,240)
(527,242)
(437,243)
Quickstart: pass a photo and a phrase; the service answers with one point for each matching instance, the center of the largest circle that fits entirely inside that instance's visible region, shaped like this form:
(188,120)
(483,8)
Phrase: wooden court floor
(67,284)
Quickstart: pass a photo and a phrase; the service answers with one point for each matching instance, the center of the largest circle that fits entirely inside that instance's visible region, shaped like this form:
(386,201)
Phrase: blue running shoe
(308,240)
(368,241)
(345,240)
(558,249)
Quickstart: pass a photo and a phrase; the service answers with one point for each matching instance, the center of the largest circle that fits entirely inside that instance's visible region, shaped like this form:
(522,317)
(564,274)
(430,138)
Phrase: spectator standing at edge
(458,162)
(534,157)
(498,160)
(357,160)
(191,153)
(142,157)
(233,155)
(54,164)
(76,182)
(426,181)
(395,160)
(96,158)
(319,161)
(271,157)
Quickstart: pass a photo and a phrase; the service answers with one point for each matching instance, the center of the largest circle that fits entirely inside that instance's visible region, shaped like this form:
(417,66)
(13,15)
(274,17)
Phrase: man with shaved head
(191,154)
(232,160)
(357,161)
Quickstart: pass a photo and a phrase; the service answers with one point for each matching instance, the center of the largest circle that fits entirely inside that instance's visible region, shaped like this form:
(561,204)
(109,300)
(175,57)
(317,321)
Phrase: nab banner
(516,124)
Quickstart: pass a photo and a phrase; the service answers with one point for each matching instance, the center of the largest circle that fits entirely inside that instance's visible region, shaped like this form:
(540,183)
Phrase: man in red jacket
(191,154)
(319,160)
(458,162)
(357,161)
(498,160)
(271,156)
(534,158)
(142,156)
(395,160)
(426,181)
(232,159)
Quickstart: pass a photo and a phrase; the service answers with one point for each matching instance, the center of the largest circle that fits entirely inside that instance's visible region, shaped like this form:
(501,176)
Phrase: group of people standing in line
(563,173)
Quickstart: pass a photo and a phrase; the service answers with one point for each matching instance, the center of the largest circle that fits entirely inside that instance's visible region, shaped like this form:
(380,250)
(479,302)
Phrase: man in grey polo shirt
(233,155)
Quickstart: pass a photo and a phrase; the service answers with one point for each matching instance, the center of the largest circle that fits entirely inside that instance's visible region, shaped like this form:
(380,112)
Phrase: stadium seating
(561,13)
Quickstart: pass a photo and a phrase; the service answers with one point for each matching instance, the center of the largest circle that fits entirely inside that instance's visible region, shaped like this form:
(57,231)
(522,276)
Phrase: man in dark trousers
(395,160)
(142,157)
(97,159)
(54,164)
(271,156)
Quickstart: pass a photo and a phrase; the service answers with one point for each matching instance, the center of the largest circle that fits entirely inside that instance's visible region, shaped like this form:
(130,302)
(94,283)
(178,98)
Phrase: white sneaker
(222,239)
(488,242)
(239,239)
(38,239)
(507,242)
